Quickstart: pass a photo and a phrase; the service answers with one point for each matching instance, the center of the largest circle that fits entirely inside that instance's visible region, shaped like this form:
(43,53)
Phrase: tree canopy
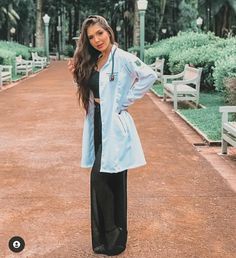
(163,19)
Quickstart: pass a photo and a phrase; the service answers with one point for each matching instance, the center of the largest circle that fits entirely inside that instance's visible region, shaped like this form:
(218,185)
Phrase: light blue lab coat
(121,147)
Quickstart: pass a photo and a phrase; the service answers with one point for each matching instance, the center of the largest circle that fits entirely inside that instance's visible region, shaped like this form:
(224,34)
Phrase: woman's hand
(71,65)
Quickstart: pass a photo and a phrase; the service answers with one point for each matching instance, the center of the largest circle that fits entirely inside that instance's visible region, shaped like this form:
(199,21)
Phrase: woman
(109,80)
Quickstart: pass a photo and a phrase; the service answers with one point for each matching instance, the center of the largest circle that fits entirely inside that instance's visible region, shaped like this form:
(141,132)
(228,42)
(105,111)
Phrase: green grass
(17,77)
(158,88)
(208,119)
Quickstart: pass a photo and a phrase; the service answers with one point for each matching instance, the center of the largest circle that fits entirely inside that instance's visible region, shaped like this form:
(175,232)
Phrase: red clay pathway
(179,205)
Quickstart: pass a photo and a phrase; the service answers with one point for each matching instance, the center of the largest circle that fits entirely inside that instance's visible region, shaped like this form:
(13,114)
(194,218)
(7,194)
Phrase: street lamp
(46,20)
(199,22)
(164,30)
(142,7)
(12,31)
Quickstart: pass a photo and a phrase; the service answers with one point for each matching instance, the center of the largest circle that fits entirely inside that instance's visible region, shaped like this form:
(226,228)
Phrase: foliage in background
(69,50)
(183,41)
(16,49)
(188,16)
(225,67)
(199,50)
(230,85)
(9,51)
(171,15)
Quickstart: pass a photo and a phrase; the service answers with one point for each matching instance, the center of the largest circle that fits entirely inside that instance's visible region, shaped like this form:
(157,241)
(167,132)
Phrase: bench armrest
(28,62)
(152,65)
(225,110)
(6,67)
(173,76)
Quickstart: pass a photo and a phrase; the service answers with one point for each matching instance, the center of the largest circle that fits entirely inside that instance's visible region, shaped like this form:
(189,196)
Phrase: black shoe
(116,250)
(100,249)
(115,242)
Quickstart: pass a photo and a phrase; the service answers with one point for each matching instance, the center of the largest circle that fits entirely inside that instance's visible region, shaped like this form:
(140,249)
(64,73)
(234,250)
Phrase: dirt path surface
(178,205)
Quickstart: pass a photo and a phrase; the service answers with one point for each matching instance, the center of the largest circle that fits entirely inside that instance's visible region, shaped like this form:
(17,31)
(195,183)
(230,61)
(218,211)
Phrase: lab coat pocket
(122,123)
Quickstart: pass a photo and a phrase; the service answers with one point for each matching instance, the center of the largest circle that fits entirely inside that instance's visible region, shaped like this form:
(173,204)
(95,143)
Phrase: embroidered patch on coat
(138,63)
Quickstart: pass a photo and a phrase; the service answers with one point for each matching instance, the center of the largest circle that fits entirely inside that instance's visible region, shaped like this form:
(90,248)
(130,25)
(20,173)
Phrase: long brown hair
(85,57)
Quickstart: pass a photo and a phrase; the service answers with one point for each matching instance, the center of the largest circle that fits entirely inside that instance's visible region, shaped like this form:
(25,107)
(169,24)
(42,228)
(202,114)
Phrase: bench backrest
(34,55)
(158,67)
(18,59)
(192,73)
(159,63)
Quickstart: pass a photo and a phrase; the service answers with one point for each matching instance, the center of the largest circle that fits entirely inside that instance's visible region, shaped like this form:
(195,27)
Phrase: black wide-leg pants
(108,196)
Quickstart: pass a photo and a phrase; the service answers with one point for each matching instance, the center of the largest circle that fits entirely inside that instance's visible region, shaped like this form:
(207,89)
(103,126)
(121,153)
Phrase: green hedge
(16,48)
(69,50)
(225,67)
(9,50)
(184,40)
(199,50)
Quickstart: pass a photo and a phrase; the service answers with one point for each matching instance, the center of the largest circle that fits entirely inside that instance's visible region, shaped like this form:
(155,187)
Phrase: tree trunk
(70,34)
(39,42)
(136,30)
(76,27)
(225,28)
(163,7)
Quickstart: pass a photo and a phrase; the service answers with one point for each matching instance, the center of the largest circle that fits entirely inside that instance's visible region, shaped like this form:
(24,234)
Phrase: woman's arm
(143,78)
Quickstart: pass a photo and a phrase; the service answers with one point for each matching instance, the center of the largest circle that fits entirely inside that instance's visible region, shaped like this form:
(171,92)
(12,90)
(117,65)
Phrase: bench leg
(175,103)
(224,146)
(164,96)
(197,102)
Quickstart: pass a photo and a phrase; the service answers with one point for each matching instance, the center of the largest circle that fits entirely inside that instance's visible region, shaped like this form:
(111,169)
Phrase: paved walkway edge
(224,166)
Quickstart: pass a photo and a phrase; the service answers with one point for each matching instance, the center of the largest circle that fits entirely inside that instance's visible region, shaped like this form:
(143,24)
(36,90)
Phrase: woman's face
(98,37)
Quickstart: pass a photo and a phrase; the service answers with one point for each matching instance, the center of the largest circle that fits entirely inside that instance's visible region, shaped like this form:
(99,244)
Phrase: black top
(93,83)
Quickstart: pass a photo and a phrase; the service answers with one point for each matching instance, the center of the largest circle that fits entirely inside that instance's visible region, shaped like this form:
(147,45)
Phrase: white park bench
(5,74)
(23,66)
(39,61)
(158,67)
(228,129)
(183,86)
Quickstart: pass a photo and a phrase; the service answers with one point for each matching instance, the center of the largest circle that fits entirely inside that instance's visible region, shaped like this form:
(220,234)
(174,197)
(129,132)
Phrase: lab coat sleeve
(143,77)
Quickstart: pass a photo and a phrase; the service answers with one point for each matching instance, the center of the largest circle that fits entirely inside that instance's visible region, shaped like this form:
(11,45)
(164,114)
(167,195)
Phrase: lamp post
(208,18)
(46,20)
(199,22)
(163,30)
(118,29)
(12,31)
(59,38)
(142,7)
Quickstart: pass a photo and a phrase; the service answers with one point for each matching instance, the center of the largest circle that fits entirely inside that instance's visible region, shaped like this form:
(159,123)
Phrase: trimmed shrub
(196,49)
(183,41)
(15,48)
(204,56)
(224,68)
(69,50)
(9,50)
(230,86)
(7,57)
(39,50)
